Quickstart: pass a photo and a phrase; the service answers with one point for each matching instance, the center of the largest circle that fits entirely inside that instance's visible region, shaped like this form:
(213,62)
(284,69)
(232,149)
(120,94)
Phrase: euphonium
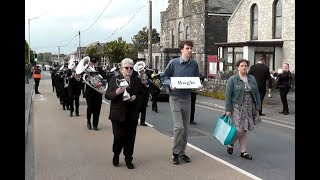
(90,76)
(140,68)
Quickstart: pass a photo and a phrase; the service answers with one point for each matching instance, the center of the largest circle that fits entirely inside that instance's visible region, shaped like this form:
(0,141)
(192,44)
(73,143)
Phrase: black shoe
(230,149)
(143,124)
(185,158)
(281,112)
(175,159)
(68,108)
(260,114)
(77,114)
(285,112)
(95,128)
(115,160)
(89,125)
(70,114)
(246,155)
(63,108)
(37,93)
(193,123)
(130,165)
(156,110)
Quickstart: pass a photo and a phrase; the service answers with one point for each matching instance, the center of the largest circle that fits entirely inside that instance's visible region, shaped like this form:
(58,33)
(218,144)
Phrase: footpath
(65,149)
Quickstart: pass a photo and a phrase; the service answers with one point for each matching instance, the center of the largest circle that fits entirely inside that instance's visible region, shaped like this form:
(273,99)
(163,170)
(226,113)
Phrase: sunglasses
(128,68)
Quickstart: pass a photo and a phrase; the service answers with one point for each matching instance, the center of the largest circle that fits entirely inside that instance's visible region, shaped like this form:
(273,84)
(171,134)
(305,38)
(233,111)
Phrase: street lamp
(29,36)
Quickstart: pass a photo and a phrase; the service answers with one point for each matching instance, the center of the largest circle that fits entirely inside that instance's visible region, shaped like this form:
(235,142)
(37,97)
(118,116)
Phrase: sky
(55,24)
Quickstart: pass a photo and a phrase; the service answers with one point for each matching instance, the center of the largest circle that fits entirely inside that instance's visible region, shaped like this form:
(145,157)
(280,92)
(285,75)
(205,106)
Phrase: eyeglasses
(128,68)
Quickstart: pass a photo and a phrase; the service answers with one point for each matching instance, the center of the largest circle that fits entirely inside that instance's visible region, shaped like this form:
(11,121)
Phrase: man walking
(180,99)
(262,74)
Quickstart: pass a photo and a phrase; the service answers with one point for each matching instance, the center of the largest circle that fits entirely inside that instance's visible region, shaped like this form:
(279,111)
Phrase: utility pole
(150,34)
(58,54)
(29,36)
(79,48)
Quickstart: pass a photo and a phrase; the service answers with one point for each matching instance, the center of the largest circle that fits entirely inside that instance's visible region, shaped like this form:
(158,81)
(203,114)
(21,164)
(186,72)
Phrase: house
(78,54)
(260,28)
(204,22)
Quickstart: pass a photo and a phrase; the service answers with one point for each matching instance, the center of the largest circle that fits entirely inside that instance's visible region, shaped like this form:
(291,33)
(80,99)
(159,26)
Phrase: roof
(222,6)
(257,43)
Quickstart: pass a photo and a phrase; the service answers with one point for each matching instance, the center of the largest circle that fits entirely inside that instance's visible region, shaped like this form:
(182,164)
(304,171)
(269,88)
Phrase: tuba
(140,67)
(90,76)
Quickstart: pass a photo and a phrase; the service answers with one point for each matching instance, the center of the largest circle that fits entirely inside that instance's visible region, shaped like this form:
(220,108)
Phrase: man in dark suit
(262,74)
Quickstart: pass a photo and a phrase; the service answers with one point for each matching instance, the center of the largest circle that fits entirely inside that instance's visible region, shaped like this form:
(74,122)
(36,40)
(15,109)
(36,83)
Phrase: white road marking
(224,162)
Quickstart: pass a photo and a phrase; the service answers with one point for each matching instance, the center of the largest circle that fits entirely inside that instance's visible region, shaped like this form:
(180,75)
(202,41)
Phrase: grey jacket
(235,91)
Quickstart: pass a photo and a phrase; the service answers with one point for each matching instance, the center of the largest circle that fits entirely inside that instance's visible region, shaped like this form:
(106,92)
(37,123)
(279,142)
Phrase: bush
(213,94)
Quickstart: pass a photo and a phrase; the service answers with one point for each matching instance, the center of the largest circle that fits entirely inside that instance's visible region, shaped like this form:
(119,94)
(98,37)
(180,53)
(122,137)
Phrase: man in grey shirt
(180,99)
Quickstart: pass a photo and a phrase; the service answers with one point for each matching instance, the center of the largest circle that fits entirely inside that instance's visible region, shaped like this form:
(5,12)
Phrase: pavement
(65,149)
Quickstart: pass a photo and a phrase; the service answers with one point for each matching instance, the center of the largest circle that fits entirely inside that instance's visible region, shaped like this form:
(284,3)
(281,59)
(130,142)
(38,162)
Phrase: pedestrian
(93,97)
(284,85)
(64,95)
(154,89)
(194,94)
(74,89)
(124,114)
(180,99)
(37,78)
(262,74)
(242,105)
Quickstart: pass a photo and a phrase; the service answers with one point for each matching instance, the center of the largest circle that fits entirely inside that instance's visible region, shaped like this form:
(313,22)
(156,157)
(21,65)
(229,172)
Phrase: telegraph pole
(79,48)
(150,34)
(58,54)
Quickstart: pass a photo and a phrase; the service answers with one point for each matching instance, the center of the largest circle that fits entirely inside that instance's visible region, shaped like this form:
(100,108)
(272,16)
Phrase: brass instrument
(155,80)
(72,66)
(140,67)
(90,76)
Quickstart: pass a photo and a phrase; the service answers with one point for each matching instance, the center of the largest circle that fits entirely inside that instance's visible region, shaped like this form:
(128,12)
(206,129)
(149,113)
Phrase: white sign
(185,82)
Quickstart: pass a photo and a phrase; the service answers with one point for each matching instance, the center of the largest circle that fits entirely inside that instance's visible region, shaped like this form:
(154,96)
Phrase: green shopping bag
(224,131)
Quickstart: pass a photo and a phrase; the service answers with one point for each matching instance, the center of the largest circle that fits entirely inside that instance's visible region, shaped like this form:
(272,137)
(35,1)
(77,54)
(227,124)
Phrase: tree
(140,40)
(92,51)
(115,50)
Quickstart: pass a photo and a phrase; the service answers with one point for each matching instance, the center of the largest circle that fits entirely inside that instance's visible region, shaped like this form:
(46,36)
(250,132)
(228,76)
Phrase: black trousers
(93,108)
(124,136)
(74,94)
(64,96)
(283,95)
(193,105)
(53,83)
(155,101)
(262,92)
(36,85)
(143,111)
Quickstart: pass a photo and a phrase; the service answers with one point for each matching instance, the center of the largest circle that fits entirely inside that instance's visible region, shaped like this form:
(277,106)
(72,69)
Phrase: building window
(254,22)
(180,32)
(172,38)
(187,33)
(277,19)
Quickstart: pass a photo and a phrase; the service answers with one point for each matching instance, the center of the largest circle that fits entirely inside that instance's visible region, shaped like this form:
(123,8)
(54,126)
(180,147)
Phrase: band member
(36,77)
(93,98)
(74,89)
(64,97)
(154,89)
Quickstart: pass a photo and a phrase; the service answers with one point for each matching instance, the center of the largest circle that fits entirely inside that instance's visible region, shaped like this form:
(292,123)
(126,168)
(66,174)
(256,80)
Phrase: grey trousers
(180,109)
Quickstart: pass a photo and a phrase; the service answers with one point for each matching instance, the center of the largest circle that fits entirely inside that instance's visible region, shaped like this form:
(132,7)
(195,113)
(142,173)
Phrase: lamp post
(29,36)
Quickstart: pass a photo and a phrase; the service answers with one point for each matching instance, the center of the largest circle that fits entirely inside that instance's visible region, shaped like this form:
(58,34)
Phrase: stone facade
(240,22)
(204,22)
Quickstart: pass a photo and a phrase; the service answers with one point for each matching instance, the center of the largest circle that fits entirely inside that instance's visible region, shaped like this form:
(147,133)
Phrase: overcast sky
(56,23)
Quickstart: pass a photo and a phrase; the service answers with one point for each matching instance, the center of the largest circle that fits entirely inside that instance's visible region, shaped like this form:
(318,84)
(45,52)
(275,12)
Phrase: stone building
(261,28)
(204,22)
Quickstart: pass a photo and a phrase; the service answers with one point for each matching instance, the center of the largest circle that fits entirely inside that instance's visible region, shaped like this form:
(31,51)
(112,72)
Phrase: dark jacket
(262,74)
(284,79)
(125,110)
(90,91)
